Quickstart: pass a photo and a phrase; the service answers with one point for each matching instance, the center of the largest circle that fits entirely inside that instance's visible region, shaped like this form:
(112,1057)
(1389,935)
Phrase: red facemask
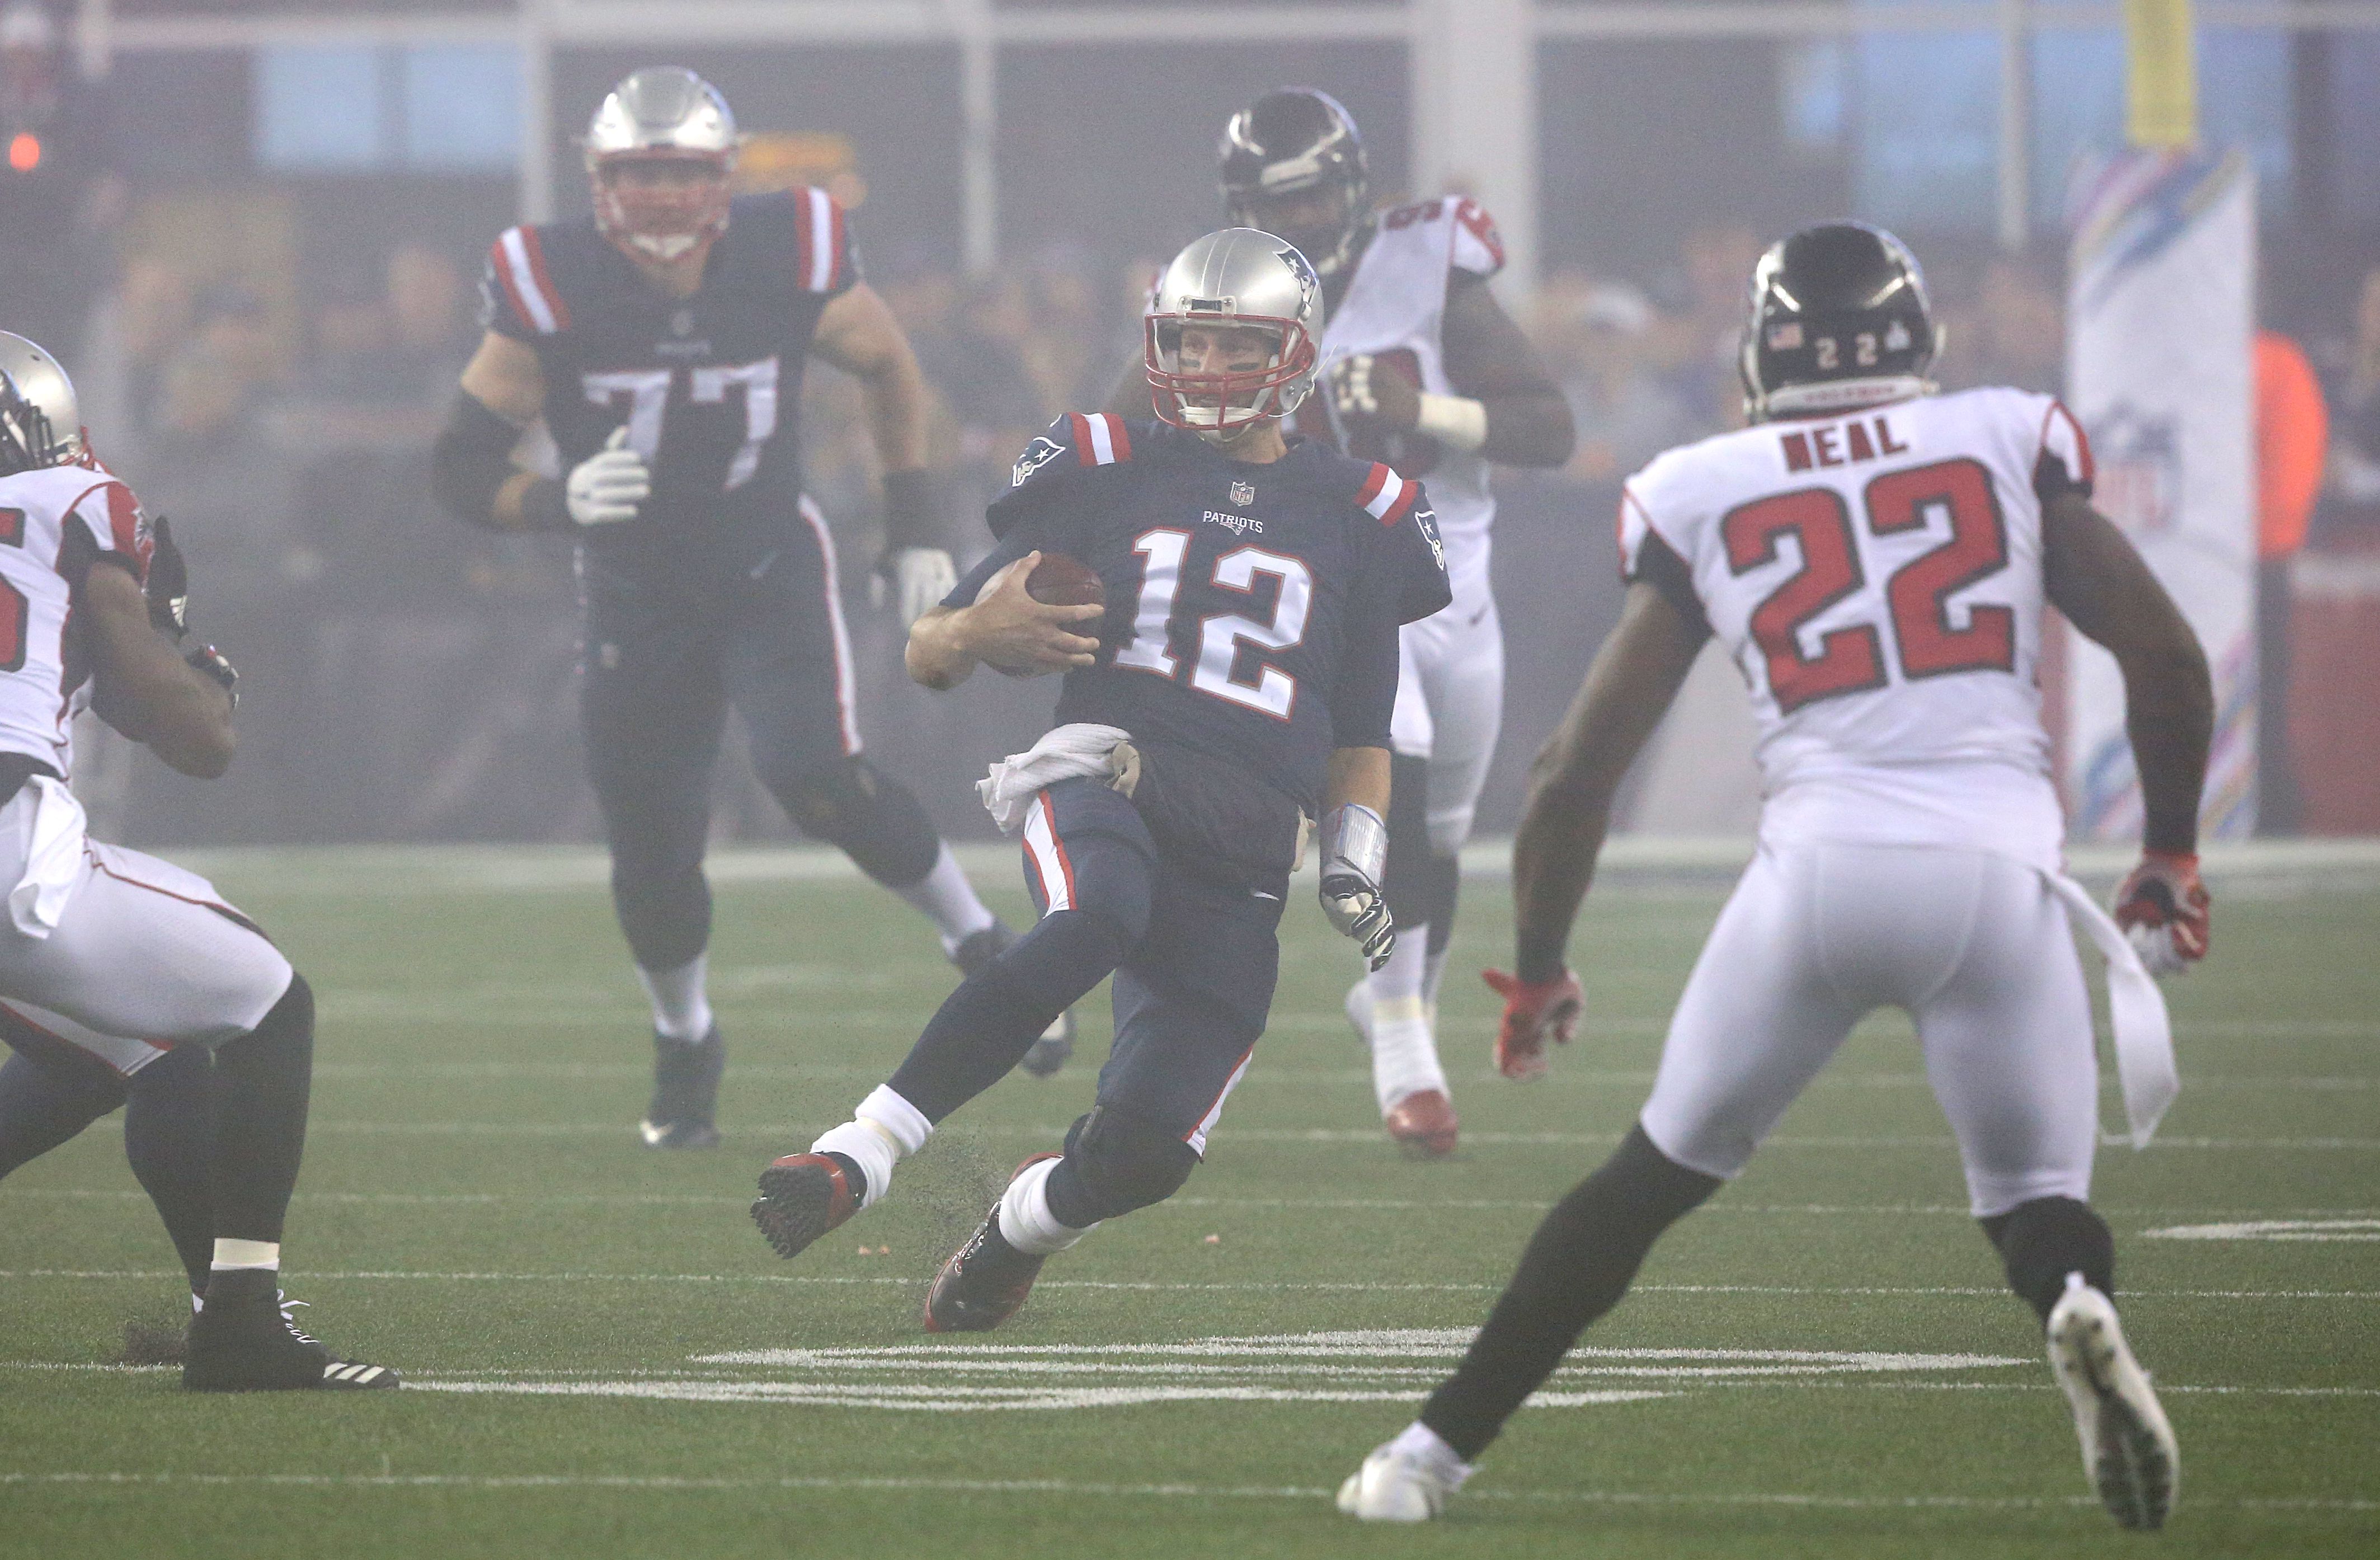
(661,221)
(1224,403)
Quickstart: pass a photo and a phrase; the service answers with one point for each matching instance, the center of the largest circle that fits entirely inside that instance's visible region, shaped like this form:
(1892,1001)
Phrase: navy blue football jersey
(1252,610)
(707,386)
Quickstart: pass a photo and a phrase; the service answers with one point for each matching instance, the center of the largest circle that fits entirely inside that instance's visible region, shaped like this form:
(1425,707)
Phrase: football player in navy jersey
(1237,682)
(662,341)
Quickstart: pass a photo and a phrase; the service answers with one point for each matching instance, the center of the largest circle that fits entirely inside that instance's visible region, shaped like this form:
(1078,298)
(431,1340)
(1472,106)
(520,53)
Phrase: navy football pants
(1194,962)
(661,671)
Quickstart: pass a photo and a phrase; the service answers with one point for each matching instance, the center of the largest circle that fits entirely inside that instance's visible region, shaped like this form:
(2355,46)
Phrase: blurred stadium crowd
(276,396)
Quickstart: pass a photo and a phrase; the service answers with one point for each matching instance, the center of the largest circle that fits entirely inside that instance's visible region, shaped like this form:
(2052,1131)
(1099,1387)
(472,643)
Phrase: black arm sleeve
(1658,565)
(472,458)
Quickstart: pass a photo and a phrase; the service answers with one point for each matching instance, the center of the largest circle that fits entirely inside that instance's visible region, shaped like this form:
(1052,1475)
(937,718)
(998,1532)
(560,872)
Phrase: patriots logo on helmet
(1037,454)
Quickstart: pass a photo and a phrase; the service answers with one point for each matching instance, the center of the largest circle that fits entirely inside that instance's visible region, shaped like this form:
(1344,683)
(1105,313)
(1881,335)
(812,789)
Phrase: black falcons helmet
(1839,319)
(1287,142)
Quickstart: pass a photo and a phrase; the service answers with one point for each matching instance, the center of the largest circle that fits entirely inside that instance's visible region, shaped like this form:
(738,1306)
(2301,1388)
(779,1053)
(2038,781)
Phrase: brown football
(1060,580)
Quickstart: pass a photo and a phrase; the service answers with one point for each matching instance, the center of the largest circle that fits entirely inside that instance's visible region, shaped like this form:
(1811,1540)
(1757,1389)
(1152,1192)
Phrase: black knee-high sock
(2044,1240)
(1576,1267)
(986,1026)
(43,1105)
(264,1078)
(169,1135)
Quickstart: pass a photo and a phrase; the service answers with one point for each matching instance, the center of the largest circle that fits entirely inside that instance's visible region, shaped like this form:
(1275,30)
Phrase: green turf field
(1820,1363)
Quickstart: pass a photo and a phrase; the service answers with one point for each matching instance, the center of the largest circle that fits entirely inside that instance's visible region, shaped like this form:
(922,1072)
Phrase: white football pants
(1815,936)
(1450,706)
(144,956)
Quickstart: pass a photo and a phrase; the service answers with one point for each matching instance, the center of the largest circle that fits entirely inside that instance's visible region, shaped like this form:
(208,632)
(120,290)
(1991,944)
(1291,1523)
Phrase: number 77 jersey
(1876,578)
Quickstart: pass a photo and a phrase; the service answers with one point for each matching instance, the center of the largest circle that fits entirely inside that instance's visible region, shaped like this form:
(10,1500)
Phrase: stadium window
(338,108)
(461,106)
(321,109)
(1813,98)
(1927,107)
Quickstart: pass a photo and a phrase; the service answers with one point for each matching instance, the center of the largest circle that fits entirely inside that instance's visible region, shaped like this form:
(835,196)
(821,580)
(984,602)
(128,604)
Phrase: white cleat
(1397,1484)
(2129,1452)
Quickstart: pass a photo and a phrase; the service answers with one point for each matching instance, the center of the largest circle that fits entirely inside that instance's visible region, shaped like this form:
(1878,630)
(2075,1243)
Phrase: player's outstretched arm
(2099,582)
(1006,627)
(1577,773)
(1487,359)
(142,685)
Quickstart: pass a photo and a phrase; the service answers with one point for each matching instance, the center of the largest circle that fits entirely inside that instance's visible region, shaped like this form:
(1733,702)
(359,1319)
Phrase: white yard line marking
(1220,1286)
(668,1483)
(2273,1229)
(1365,1137)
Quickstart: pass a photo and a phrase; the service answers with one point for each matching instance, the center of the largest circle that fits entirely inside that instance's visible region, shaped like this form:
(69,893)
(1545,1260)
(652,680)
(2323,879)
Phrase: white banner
(2160,314)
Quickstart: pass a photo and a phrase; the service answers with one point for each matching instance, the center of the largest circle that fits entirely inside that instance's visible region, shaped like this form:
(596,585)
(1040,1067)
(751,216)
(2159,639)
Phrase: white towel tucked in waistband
(1067,752)
(51,840)
(2144,1061)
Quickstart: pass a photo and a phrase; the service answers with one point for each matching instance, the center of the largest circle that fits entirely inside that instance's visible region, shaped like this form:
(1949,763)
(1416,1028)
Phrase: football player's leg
(169,1133)
(789,675)
(1190,1004)
(146,948)
(652,709)
(61,1076)
(1388,1006)
(1466,689)
(47,1096)
(1089,862)
(1758,1018)
(2009,1051)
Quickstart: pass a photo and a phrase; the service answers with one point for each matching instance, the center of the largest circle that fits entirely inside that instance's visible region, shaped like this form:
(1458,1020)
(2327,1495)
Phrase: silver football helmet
(662,113)
(1238,278)
(39,423)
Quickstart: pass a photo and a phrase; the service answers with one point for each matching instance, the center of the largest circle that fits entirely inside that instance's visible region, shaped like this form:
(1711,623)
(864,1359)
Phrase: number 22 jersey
(1252,611)
(1876,578)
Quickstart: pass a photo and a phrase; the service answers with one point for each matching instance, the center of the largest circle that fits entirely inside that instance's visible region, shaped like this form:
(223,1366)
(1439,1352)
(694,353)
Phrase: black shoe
(1057,1042)
(685,1092)
(986,1281)
(246,1341)
(802,1196)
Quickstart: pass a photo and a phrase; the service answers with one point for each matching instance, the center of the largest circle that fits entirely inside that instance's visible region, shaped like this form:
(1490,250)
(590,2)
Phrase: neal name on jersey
(1877,578)
(1252,610)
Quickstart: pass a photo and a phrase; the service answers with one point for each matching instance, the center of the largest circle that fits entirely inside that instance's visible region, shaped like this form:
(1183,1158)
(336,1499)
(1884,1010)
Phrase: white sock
(885,1130)
(231,1256)
(1433,972)
(1026,1221)
(681,1010)
(1429,1448)
(1404,1052)
(946,897)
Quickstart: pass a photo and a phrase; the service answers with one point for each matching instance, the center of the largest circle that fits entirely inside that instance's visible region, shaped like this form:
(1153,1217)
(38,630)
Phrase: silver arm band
(1354,840)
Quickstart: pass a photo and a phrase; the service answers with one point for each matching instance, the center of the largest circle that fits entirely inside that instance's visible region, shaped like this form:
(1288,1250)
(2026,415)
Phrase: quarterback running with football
(119,972)
(1238,682)
(1878,561)
(1421,369)
(662,342)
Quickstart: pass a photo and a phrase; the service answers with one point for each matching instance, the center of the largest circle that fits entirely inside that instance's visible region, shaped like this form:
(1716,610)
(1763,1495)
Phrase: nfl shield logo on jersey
(1242,495)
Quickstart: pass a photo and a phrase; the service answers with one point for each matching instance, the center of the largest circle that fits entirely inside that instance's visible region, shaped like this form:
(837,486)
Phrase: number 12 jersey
(1876,578)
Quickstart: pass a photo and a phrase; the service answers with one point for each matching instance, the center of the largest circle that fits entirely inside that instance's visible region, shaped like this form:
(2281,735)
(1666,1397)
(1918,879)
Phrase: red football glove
(1534,1013)
(2162,908)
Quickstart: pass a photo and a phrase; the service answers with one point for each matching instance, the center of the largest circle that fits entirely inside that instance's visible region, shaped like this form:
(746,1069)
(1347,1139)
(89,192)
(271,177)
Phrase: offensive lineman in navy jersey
(662,342)
(1238,682)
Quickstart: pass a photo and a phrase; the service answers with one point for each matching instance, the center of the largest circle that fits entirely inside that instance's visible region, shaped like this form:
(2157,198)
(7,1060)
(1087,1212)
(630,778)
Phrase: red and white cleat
(1422,1124)
(802,1196)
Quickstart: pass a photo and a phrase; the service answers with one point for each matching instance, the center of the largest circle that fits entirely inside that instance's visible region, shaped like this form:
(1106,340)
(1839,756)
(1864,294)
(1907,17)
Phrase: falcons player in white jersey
(1876,560)
(111,960)
(1421,369)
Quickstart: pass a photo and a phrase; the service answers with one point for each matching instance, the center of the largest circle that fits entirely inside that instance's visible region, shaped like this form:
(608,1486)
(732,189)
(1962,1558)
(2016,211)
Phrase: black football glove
(168,585)
(210,661)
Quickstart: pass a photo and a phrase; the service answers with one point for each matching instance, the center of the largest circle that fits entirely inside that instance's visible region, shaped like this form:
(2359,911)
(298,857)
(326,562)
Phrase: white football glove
(920,579)
(1354,859)
(605,488)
